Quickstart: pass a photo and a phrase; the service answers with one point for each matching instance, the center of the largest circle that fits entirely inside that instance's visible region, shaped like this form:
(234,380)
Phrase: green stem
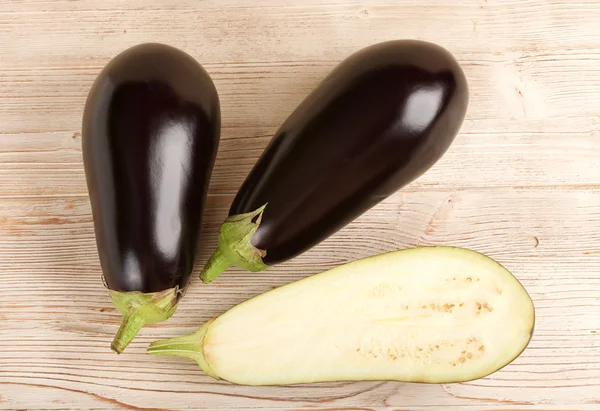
(217,263)
(139,309)
(235,246)
(189,346)
(130,326)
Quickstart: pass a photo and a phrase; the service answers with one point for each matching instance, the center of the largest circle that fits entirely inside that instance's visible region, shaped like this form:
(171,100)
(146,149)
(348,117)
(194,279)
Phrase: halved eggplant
(382,118)
(430,314)
(151,130)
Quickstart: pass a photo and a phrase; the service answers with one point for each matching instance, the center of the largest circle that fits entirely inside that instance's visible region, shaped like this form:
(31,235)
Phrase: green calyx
(235,247)
(189,346)
(139,309)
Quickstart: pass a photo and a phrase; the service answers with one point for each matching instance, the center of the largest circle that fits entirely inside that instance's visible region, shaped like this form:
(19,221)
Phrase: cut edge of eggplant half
(236,245)
(426,314)
(166,91)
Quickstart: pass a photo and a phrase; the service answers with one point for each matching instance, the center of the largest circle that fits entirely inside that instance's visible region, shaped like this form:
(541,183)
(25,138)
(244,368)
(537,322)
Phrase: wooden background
(521,184)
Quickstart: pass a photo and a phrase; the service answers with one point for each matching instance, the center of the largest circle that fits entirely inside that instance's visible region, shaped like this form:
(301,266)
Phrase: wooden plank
(55,309)
(512,154)
(528,48)
(526,85)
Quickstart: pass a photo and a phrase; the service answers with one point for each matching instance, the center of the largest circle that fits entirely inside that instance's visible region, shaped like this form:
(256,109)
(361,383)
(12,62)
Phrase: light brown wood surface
(521,184)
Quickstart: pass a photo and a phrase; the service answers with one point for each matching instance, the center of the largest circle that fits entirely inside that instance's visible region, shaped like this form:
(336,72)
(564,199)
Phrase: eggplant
(151,129)
(377,122)
(429,314)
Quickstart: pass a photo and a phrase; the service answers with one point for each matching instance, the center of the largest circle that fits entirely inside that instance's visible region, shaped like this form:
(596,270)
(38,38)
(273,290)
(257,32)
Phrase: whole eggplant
(151,128)
(378,121)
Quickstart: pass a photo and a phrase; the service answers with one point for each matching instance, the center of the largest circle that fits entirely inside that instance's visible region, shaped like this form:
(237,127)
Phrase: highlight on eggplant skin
(151,128)
(377,122)
(425,315)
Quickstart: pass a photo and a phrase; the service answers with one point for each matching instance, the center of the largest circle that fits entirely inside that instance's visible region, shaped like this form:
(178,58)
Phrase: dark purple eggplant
(151,128)
(377,122)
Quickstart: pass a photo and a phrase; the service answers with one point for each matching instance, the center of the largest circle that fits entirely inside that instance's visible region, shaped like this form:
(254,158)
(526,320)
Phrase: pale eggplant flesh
(428,314)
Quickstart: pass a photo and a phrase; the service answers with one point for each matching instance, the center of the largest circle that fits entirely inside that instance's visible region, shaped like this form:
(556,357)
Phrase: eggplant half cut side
(430,314)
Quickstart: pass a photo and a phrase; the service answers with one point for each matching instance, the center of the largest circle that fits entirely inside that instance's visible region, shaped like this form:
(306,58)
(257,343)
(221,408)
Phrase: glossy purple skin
(382,118)
(151,130)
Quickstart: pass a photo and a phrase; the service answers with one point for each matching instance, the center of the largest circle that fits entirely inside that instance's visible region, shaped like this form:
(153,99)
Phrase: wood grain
(521,184)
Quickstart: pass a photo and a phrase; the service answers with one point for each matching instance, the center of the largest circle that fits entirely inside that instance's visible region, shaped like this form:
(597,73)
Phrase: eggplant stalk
(139,309)
(189,346)
(235,247)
